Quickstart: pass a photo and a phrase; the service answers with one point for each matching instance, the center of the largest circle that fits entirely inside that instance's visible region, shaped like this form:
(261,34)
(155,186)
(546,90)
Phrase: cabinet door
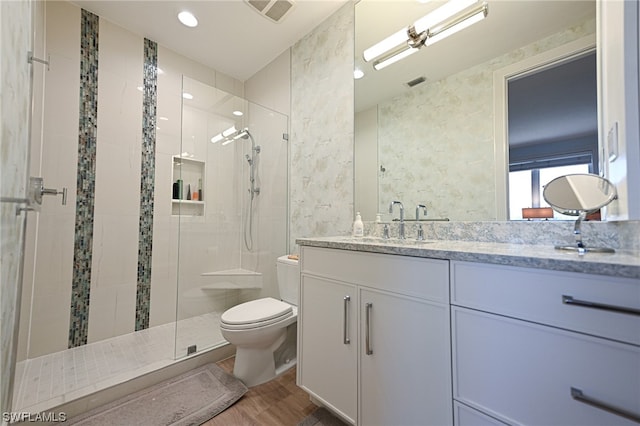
(405,362)
(328,343)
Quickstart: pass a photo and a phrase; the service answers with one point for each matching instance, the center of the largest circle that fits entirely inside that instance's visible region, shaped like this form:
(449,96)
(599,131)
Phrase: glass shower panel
(230,197)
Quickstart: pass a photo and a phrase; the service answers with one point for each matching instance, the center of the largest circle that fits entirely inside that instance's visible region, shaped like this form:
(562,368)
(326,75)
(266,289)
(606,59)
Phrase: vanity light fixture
(438,24)
(187,19)
(224,135)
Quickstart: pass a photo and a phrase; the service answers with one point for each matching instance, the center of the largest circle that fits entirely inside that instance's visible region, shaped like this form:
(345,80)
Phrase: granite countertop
(623,263)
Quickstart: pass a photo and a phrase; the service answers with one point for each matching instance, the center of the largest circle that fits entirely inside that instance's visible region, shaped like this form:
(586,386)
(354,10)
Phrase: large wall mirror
(426,129)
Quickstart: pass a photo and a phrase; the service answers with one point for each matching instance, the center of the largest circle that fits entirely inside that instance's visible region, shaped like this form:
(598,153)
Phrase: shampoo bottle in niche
(358,227)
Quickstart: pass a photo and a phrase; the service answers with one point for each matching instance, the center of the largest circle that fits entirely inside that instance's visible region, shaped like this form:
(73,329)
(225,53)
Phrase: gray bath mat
(321,417)
(189,399)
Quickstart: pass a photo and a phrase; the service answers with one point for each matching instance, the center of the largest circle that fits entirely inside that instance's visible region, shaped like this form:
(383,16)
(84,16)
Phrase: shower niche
(188,179)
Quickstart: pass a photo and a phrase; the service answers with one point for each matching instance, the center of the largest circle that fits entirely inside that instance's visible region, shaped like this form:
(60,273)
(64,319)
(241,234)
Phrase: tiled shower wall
(45,321)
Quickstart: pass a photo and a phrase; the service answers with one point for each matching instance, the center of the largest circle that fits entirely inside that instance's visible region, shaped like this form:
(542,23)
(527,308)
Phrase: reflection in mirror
(433,143)
(552,128)
(578,195)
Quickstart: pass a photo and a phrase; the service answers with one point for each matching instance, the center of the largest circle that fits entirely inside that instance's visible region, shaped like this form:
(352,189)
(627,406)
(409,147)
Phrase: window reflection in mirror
(553,129)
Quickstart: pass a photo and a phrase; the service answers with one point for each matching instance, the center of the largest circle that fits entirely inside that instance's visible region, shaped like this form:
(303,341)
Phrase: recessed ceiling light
(188,19)
(187,95)
(358,73)
(238,113)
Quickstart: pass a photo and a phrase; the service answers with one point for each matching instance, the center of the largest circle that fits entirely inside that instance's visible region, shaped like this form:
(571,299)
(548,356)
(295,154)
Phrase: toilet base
(256,366)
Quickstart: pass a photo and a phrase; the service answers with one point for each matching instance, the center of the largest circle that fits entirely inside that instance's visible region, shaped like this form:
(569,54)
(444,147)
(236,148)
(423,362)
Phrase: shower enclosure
(219,221)
(235,153)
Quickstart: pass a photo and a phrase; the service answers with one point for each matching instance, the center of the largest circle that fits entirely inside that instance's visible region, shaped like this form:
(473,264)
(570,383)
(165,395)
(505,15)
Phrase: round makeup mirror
(579,195)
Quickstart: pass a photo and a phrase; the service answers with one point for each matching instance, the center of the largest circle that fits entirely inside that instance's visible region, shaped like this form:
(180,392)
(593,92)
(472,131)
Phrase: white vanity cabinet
(374,336)
(540,347)
(327,342)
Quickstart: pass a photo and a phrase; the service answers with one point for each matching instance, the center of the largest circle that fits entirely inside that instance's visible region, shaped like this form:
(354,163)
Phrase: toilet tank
(288,274)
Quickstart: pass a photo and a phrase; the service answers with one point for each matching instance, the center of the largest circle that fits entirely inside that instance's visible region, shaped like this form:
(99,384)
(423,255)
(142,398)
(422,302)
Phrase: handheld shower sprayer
(253,190)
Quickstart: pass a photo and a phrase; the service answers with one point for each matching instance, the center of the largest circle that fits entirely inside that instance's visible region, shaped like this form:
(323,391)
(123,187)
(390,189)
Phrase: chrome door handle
(345,331)
(38,190)
(368,348)
(569,300)
(578,395)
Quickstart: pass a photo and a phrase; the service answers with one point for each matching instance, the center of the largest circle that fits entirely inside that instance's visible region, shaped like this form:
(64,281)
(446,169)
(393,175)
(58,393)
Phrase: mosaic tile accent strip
(87,138)
(147,179)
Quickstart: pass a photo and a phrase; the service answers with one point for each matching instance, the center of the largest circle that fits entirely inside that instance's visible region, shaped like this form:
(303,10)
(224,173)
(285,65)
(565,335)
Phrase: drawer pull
(345,332)
(579,396)
(569,300)
(368,349)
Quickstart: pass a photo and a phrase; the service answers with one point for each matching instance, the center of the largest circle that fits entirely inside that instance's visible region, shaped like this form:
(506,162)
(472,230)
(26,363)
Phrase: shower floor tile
(50,380)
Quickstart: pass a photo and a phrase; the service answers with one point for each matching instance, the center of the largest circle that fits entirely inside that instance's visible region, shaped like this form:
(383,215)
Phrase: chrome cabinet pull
(569,300)
(368,349)
(345,331)
(581,397)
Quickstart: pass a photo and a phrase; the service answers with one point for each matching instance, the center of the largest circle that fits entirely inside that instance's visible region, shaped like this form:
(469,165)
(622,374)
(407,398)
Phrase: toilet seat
(255,314)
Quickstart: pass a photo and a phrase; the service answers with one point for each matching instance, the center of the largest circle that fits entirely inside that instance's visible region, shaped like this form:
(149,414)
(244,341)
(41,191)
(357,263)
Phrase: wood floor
(276,403)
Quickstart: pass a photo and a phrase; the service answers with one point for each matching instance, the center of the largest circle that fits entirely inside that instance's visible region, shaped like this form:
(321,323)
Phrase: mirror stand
(578,195)
(580,247)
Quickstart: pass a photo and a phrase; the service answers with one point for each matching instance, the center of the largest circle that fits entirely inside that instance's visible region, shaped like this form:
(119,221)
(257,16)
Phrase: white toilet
(264,330)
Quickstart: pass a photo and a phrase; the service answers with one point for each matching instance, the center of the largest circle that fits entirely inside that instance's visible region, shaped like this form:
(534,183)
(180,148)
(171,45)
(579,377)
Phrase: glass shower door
(230,196)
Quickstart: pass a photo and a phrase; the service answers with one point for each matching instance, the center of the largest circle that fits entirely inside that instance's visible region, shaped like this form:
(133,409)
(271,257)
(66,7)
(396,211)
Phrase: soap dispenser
(358,226)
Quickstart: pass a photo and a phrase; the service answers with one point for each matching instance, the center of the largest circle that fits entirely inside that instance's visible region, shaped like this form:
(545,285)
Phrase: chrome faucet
(401,228)
(424,209)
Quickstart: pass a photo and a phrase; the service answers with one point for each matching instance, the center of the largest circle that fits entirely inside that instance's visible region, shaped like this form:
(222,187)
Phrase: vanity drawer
(537,295)
(412,276)
(523,373)
(466,416)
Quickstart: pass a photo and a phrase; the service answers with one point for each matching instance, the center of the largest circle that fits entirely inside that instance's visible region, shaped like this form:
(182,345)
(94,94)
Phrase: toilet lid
(259,310)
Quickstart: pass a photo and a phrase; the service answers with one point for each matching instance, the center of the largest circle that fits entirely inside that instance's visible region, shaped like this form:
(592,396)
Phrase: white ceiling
(231,36)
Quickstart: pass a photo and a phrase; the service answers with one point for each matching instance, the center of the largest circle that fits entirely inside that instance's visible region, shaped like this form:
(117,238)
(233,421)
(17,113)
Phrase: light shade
(458,24)
(224,135)
(394,57)
(442,13)
(389,43)
(231,130)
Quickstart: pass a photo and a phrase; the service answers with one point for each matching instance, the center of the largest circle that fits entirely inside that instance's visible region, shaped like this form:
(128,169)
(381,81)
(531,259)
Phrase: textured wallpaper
(446,160)
(321,188)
